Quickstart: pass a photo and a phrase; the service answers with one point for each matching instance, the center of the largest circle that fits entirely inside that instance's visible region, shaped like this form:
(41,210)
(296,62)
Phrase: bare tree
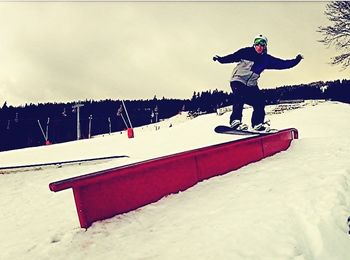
(337,34)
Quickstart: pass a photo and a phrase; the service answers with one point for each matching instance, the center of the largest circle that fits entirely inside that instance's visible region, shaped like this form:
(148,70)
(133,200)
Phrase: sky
(70,51)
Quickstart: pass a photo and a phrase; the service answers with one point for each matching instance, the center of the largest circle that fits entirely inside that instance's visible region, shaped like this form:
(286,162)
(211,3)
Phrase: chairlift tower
(77,107)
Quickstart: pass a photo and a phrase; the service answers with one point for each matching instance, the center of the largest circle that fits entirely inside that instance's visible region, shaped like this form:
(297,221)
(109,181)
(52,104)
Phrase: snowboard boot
(263,127)
(238,125)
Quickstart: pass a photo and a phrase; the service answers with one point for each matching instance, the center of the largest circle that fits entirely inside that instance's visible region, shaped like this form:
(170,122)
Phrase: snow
(294,205)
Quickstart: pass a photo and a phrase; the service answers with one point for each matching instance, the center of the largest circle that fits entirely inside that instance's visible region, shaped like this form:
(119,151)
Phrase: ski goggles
(261,42)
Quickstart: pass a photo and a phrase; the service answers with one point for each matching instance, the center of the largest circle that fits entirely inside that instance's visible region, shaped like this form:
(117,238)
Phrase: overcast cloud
(59,52)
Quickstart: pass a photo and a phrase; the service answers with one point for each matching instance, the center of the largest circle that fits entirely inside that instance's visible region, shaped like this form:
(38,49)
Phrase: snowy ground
(293,205)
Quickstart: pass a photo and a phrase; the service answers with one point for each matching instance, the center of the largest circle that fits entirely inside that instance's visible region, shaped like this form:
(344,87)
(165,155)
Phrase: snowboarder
(252,61)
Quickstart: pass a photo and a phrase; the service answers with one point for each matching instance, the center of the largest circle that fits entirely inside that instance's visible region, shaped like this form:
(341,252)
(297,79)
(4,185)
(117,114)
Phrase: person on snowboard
(252,61)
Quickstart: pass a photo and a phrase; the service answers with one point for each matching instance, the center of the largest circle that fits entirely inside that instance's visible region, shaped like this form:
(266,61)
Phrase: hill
(294,205)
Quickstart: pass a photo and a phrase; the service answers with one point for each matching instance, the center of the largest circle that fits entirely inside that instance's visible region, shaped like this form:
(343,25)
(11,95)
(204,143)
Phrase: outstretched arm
(279,64)
(234,57)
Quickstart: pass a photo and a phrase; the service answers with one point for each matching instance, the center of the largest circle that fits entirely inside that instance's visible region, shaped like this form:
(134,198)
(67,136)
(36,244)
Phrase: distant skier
(252,61)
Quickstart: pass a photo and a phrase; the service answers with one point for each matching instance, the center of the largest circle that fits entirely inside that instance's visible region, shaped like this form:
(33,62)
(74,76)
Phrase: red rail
(110,192)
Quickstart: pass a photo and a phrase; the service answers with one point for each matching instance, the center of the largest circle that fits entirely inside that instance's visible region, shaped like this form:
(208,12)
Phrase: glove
(216,58)
(299,57)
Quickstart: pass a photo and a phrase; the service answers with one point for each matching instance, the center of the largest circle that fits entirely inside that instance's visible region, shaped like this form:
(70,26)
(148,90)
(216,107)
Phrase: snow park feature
(28,167)
(105,194)
(294,205)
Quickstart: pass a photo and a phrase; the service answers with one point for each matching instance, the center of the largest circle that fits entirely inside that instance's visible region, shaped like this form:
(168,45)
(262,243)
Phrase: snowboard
(223,129)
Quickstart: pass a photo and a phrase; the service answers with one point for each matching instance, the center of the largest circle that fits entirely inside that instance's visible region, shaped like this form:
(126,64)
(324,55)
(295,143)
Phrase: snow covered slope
(294,205)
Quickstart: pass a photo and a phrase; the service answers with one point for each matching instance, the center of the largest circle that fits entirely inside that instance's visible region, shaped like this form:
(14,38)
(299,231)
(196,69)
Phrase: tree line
(35,124)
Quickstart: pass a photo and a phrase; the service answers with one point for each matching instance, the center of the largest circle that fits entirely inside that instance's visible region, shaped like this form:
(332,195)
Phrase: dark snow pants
(251,95)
